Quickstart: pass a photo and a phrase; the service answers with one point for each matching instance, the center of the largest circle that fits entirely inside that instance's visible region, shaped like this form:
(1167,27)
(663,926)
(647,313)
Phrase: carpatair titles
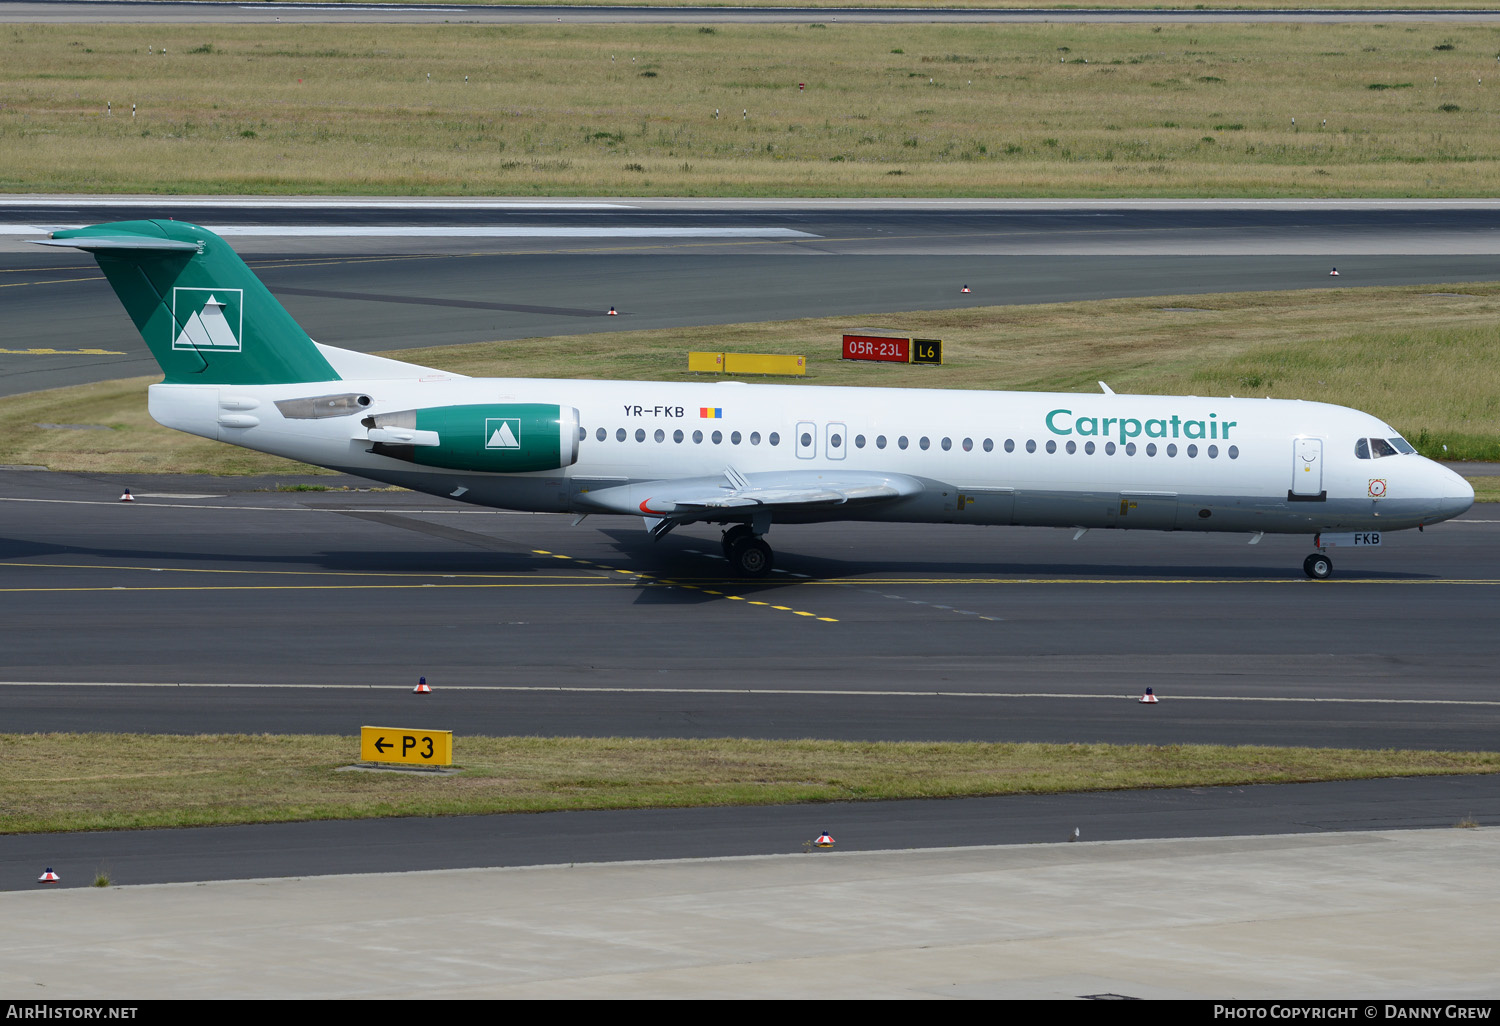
(1062,422)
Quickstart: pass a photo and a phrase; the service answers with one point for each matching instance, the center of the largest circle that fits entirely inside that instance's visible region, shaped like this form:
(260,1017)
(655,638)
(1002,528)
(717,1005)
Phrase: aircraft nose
(1454,495)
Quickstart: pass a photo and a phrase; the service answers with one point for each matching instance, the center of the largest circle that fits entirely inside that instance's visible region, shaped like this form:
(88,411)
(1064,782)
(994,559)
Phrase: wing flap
(737,495)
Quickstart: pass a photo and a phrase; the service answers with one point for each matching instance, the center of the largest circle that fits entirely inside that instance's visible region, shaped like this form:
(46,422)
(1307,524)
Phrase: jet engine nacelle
(501,438)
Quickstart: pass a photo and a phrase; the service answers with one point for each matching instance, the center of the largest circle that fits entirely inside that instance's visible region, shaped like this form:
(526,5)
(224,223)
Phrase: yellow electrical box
(398,744)
(706,363)
(764,363)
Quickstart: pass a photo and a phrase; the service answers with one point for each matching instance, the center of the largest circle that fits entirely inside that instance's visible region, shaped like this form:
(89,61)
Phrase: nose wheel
(1318,566)
(747,552)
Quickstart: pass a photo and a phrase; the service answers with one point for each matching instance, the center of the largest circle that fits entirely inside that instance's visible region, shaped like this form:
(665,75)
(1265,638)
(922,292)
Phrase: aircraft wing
(737,496)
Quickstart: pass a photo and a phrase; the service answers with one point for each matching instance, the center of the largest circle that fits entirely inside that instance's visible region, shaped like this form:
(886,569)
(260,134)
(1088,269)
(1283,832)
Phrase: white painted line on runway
(806,692)
(176,495)
(518,231)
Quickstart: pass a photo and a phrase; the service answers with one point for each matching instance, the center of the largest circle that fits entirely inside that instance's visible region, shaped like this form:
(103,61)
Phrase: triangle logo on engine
(502,433)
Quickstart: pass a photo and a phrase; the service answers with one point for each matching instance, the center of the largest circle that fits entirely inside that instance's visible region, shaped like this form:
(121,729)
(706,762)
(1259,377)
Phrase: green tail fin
(204,314)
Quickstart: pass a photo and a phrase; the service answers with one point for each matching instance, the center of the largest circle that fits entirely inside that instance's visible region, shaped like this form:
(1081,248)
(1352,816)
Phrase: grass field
(887,110)
(117,781)
(1424,358)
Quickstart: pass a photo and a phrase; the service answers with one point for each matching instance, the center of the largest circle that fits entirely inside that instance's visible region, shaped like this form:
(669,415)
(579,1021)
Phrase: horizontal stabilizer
(95,243)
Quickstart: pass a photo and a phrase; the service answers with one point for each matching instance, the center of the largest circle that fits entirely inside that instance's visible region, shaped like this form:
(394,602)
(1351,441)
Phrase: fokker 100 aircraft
(239,369)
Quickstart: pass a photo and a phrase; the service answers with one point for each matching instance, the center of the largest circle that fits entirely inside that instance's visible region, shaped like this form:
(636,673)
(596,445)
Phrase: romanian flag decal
(711,412)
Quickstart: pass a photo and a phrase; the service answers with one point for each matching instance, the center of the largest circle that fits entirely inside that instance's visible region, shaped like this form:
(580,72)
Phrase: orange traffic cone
(48,877)
(611,313)
(127,497)
(1149,698)
(964,289)
(824,841)
(421,688)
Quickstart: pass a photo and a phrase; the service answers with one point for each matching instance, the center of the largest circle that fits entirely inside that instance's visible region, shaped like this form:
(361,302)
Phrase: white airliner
(238,368)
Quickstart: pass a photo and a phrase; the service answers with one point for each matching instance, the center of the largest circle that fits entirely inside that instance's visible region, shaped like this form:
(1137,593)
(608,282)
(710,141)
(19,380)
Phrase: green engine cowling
(501,438)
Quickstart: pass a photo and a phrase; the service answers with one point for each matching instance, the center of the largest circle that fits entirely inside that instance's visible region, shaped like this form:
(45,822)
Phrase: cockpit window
(1375,448)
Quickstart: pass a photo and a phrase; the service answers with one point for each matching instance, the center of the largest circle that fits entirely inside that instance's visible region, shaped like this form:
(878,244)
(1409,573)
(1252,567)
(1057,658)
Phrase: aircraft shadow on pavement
(696,559)
(692,559)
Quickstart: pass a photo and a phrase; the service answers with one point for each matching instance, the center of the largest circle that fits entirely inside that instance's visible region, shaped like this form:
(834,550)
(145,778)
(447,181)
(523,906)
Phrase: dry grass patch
(888,110)
(1486,489)
(116,781)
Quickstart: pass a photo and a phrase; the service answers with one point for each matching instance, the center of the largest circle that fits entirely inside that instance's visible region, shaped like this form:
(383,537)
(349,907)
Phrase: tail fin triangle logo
(210,319)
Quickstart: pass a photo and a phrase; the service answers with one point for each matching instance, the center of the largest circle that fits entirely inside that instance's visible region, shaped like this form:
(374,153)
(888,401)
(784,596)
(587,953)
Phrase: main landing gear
(747,551)
(1318,566)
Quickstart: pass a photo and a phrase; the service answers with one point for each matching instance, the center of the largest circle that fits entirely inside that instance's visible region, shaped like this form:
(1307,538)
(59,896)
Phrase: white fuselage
(1060,459)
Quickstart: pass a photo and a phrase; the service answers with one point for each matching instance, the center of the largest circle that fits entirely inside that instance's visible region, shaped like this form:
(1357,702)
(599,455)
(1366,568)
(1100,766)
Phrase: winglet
(1107,389)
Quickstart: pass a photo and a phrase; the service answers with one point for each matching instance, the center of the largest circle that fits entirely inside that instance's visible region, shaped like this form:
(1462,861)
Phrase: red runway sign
(877,347)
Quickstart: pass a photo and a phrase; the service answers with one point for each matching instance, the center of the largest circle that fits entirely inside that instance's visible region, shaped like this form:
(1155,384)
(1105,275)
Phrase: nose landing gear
(1318,566)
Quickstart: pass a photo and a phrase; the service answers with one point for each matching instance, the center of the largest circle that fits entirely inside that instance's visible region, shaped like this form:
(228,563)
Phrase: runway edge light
(421,688)
(824,841)
(1149,698)
(48,877)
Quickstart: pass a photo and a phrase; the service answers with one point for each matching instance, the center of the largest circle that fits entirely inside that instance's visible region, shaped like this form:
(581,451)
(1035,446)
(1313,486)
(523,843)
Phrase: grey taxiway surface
(206,609)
